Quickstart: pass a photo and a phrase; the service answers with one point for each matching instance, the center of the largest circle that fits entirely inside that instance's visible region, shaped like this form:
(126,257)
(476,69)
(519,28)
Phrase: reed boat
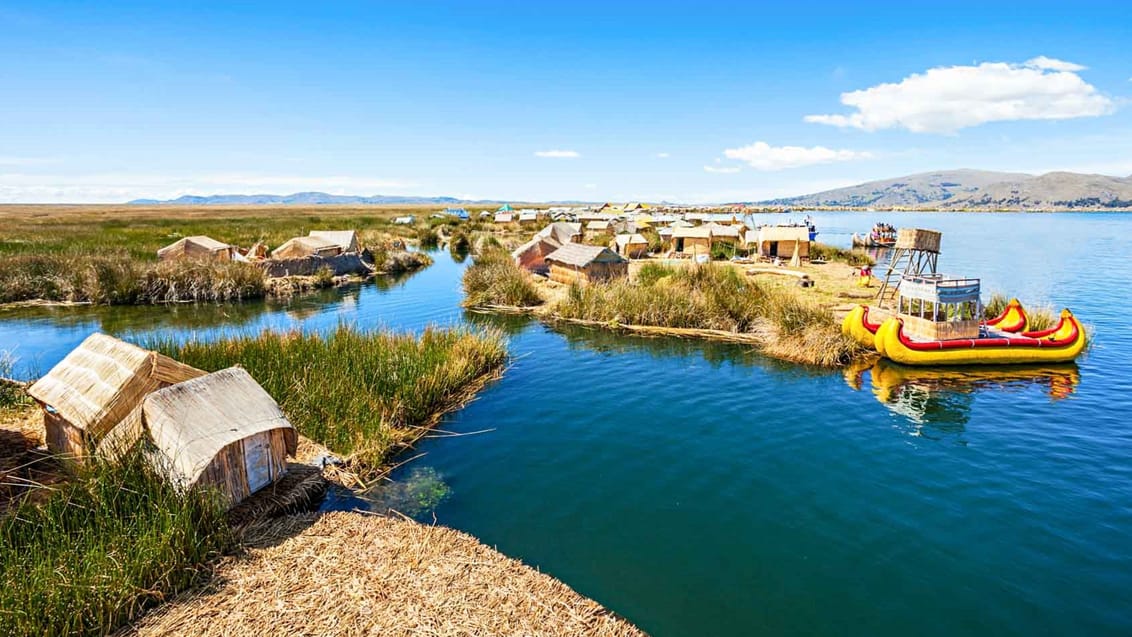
(1061,344)
(1013,319)
(858,325)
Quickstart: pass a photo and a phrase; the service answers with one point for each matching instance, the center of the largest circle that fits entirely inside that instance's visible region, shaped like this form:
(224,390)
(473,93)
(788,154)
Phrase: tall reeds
(714,297)
(495,279)
(361,394)
(101,548)
(122,281)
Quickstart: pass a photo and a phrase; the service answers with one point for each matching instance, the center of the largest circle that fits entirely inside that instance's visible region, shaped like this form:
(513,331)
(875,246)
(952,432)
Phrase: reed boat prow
(1013,318)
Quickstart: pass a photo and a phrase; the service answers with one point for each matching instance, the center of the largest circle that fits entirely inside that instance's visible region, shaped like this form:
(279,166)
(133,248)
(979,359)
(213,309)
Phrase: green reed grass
(714,297)
(361,394)
(102,547)
(854,257)
(495,279)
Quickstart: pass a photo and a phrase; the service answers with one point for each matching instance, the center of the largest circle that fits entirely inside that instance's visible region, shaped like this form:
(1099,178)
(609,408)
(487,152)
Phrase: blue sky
(657,101)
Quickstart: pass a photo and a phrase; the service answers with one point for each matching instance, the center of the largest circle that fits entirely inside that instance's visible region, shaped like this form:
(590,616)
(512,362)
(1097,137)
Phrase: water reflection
(938,401)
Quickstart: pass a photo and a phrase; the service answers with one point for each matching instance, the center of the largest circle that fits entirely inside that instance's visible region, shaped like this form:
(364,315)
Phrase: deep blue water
(699,488)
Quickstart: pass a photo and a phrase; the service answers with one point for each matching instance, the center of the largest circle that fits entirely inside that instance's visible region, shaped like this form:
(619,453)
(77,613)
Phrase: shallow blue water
(699,488)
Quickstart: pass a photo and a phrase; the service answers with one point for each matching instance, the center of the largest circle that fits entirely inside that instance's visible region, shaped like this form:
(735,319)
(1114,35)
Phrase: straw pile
(354,574)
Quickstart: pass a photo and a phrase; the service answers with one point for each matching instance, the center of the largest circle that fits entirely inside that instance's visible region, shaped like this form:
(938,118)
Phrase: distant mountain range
(945,190)
(307,198)
(977,189)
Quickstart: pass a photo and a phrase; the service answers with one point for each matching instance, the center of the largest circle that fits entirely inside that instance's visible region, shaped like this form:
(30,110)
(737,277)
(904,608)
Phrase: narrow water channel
(699,488)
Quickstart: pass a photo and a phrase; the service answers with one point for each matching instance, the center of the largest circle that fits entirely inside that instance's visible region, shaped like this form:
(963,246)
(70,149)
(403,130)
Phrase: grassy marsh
(361,394)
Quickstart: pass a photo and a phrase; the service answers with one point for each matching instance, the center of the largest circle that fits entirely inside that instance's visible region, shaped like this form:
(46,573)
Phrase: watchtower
(916,253)
(939,308)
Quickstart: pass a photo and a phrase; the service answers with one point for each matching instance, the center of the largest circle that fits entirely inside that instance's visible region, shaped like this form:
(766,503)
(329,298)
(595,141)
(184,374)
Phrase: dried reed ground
(355,574)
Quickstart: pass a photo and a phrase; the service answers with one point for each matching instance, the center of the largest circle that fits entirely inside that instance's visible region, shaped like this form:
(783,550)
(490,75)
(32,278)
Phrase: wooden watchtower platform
(916,253)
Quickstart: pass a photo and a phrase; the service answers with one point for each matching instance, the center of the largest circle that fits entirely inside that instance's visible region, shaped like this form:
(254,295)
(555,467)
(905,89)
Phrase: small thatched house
(504,217)
(562,232)
(731,234)
(197,247)
(300,247)
(599,228)
(578,262)
(527,217)
(784,242)
(691,241)
(100,384)
(220,430)
(532,254)
(632,246)
(345,239)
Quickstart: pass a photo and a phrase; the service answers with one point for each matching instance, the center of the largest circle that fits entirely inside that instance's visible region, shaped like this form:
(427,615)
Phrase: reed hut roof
(542,245)
(597,225)
(784,233)
(305,246)
(504,217)
(196,244)
(630,239)
(726,230)
(190,422)
(680,223)
(580,255)
(700,232)
(103,379)
(561,232)
(345,239)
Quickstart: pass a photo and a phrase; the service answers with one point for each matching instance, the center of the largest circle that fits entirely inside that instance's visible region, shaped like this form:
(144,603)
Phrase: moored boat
(882,235)
(1061,344)
(859,325)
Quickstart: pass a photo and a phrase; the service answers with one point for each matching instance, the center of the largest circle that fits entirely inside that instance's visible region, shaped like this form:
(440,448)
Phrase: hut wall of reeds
(351,263)
(220,430)
(632,246)
(97,386)
(691,241)
(197,247)
(784,242)
(577,262)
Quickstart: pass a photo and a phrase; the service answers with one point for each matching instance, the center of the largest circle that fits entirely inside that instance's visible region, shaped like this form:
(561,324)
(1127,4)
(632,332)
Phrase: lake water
(702,489)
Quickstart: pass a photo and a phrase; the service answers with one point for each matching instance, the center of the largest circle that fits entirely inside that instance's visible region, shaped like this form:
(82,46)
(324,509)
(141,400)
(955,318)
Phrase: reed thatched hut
(561,232)
(347,240)
(96,387)
(578,262)
(532,254)
(632,246)
(784,242)
(504,217)
(220,430)
(599,228)
(692,241)
(197,247)
(300,247)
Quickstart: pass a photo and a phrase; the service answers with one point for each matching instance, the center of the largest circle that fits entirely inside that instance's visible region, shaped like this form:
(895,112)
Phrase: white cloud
(946,99)
(662,155)
(1042,62)
(763,156)
(590,186)
(119,187)
(557,154)
(721,169)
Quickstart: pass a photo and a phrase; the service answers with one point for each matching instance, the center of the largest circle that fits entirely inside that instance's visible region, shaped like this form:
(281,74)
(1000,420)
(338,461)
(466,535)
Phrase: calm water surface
(701,489)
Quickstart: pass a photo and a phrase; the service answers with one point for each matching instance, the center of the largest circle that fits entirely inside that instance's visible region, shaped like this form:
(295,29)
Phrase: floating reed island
(128,256)
(721,301)
(95,534)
